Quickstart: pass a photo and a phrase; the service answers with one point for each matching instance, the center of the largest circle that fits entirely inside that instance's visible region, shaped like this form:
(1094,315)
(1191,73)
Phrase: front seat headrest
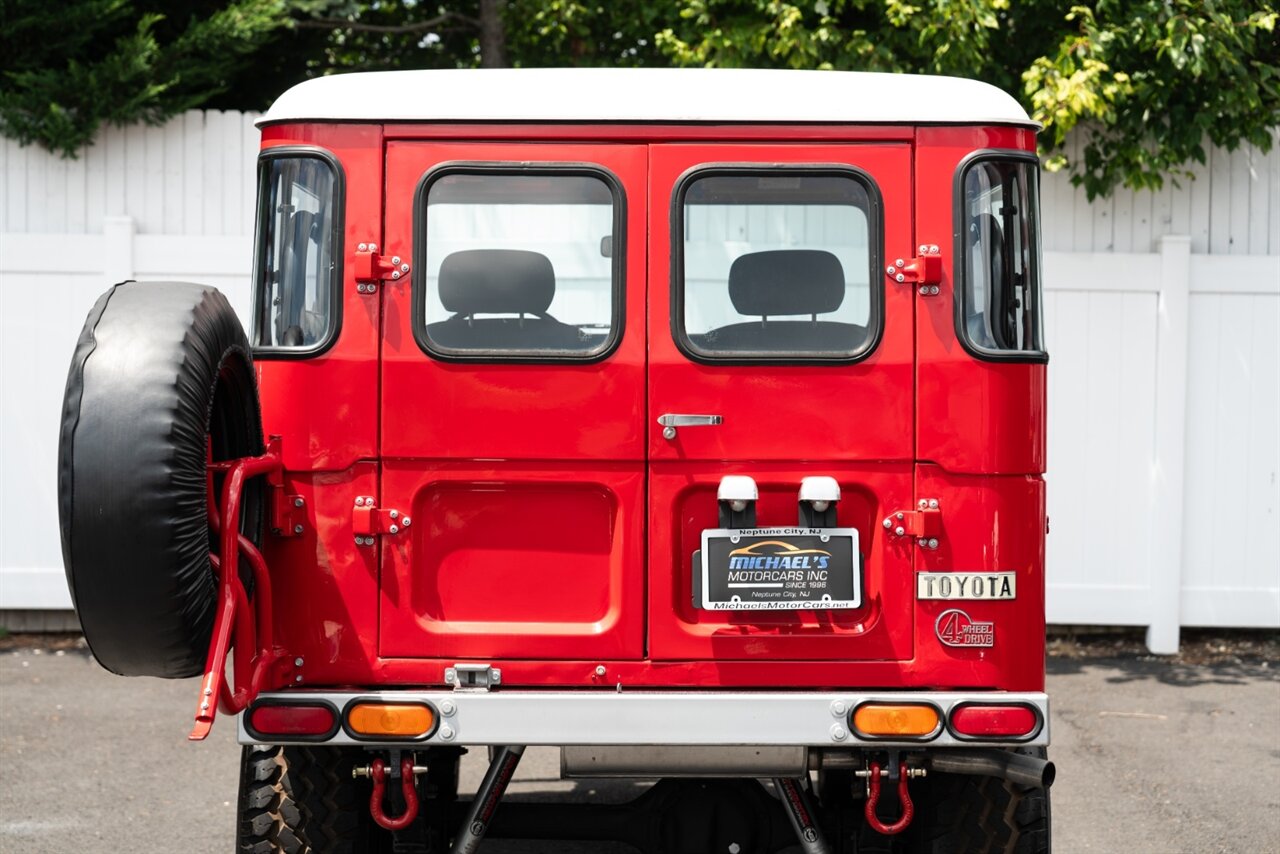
(497,281)
(786,281)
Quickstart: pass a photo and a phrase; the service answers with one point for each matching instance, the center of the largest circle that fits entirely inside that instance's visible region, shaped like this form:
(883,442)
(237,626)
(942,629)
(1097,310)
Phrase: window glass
(521,264)
(776,265)
(297,273)
(1001,256)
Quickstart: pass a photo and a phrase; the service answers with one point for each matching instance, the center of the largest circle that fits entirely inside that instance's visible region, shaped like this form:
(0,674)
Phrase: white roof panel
(645,95)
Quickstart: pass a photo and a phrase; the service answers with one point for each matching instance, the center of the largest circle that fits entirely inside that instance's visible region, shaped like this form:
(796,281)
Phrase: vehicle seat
(514,283)
(785,283)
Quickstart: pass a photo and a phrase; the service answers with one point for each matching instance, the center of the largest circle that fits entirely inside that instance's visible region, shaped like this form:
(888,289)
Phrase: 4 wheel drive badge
(956,628)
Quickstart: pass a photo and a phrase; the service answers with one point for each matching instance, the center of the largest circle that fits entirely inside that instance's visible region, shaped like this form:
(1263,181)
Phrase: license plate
(777,569)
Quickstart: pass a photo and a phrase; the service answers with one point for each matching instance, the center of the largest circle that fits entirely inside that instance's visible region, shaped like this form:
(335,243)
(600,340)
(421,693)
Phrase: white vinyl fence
(1163,324)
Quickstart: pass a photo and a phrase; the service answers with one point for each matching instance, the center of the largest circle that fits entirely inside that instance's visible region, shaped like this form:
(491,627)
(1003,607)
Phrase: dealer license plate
(777,569)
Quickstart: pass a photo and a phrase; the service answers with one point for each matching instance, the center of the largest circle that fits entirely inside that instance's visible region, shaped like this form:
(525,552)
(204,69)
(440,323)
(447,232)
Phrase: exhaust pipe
(1015,767)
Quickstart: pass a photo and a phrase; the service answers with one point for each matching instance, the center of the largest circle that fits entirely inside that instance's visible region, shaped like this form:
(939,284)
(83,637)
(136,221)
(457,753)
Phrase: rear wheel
(958,813)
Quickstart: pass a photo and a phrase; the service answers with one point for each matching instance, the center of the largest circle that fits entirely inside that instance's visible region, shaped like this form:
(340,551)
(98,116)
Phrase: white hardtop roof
(650,95)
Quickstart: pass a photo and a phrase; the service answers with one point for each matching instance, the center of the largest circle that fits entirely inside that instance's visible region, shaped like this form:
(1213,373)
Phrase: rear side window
(999,311)
(519,264)
(297,282)
(776,264)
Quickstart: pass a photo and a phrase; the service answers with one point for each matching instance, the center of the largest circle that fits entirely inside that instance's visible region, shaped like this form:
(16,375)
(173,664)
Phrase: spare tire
(161,376)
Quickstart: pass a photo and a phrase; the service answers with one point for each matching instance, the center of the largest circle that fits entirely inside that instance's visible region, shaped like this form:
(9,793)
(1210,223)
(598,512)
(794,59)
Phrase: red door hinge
(372,268)
(924,270)
(923,523)
(368,520)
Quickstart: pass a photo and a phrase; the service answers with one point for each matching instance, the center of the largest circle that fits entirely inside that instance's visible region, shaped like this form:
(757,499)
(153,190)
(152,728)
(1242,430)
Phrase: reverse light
(293,720)
(371,719)
(1003,721)
(899,720)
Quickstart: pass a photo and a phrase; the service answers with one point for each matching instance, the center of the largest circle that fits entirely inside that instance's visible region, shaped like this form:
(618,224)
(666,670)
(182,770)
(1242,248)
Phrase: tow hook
(873,773)
(378,771)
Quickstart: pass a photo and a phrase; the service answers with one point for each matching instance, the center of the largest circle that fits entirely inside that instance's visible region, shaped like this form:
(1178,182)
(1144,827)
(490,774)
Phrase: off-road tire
(967,814)
(303,800)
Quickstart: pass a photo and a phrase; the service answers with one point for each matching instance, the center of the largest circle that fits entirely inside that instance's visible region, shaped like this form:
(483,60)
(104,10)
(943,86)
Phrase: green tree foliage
(1146,80)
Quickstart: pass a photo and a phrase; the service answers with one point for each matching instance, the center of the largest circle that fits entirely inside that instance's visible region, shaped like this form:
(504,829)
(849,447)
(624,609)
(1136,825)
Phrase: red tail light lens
(1015,721)
(293,719)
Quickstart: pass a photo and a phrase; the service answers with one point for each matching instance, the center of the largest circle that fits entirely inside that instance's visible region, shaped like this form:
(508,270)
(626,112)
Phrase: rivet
(395,529)
(404,268)
(838,732)
(297,662)
(204,707)
(360,288)
(447,708)
(899,530)
(899,262)
(395,259)
(933,543)
(373,247)
(360,502)
(838,708)
(446,732)
(297,529)
(891,269)
(900,278)
(406,522)
(923,248)
(600,670)
(922,543)
(298,678)
(923,504)
(208,692)
(297,502)
(933,290)
(394,514)
(888,523)
(362,247)
(924,292)
(933,503)
(396,274)
(371,288)
(933,249)
(450,674)
(898,515)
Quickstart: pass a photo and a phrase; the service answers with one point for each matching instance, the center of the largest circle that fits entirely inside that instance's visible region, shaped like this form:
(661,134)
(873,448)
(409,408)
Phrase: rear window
(297,282)
(1000,312)
(519,263)
(776,264)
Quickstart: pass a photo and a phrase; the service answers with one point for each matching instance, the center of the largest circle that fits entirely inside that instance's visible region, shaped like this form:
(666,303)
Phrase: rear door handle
(671,421)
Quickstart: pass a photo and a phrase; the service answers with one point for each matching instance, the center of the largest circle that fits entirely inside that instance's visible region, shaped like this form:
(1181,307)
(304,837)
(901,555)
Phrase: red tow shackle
(873,797)
(378,771)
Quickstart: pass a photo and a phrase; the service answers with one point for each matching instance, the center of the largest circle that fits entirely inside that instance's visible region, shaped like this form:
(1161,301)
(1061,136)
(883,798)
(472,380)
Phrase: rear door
(512,428)
(769,310)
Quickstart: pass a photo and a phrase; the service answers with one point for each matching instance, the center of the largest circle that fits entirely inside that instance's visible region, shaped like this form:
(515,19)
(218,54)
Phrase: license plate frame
(778,569)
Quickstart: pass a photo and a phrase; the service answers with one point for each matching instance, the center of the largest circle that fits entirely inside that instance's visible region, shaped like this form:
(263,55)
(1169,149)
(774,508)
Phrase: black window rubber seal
(960,284)
(507,167)
(279,152)
(875,247)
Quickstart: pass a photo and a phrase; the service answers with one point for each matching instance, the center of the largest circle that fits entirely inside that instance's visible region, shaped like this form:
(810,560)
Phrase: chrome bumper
(592,718)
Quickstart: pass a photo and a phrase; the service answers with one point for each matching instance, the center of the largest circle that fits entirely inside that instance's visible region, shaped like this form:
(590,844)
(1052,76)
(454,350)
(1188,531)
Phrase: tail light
(898,720)
(995,721)
(370,719)
(305,721)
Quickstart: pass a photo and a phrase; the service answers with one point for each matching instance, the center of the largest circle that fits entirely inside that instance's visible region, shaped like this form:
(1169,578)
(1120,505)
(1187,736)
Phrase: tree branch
(389,29)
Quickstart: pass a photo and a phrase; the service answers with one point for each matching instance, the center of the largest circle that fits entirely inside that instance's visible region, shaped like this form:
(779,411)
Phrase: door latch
(671,421)
(372,268)
(924,270)
(368,520)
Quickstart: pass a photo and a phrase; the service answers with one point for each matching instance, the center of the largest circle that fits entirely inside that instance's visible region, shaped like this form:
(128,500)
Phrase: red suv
(689,421)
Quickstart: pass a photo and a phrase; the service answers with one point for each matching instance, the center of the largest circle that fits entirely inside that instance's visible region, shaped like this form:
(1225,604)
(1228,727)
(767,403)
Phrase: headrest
(786,281)
(497,281)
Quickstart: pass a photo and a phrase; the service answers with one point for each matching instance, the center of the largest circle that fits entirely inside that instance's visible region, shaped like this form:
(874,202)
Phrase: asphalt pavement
(1152,756)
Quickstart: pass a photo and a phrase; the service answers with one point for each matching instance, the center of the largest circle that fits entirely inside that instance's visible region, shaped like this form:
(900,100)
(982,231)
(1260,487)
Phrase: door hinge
(288,512)
(924,270)
(372,268)
(368,520)
(924,523)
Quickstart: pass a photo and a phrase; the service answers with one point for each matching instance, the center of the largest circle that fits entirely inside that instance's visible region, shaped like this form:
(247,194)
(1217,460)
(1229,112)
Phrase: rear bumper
(592,718)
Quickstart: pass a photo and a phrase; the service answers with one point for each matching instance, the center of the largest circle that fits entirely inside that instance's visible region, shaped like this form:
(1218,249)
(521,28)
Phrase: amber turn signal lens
(895,721)
(994,721)
(395,720)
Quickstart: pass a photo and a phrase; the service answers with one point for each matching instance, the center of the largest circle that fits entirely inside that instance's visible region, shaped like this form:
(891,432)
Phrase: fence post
(117,248)
(1170,444)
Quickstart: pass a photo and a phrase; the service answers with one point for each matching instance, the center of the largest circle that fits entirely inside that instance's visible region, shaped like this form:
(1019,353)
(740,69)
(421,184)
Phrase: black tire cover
(161,370)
